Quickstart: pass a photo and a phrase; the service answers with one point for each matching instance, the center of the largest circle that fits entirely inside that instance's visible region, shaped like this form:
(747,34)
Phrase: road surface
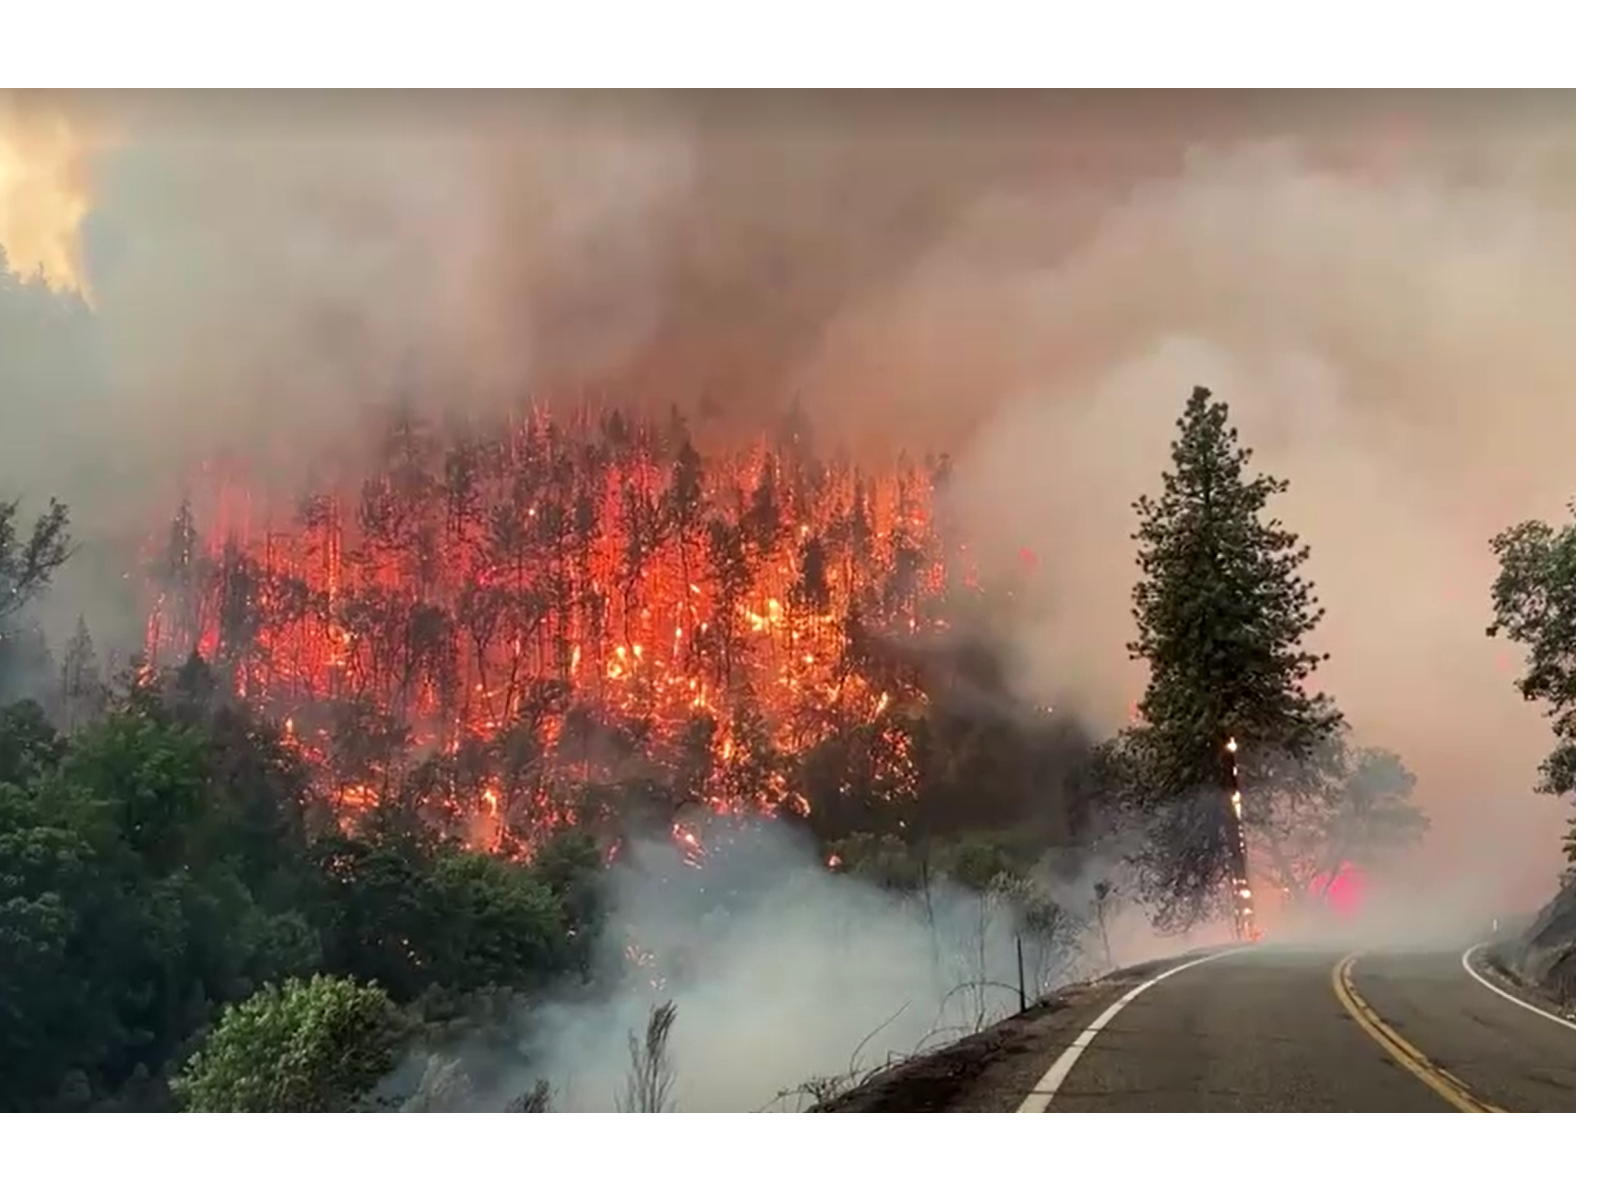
(1260,1030)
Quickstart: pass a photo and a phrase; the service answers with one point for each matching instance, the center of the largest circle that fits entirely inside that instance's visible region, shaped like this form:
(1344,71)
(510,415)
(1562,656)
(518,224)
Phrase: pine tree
(1221,612)
(82,692)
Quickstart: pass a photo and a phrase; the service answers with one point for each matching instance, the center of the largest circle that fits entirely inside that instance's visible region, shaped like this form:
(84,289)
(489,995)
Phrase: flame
(1243,902)
(694,852)
(428,592)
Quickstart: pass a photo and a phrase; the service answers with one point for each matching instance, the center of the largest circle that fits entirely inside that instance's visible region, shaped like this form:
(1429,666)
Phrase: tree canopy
(28,556)
(1341,803)
(312,1045)
(1535,597)
(1222,612)
(190,914)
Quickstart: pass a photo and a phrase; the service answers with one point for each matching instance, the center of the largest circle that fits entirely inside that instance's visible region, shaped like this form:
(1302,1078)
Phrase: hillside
(1545,956)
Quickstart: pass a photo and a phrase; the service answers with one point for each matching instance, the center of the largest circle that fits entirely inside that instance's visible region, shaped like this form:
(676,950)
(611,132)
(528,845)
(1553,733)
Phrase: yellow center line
(1403,1052)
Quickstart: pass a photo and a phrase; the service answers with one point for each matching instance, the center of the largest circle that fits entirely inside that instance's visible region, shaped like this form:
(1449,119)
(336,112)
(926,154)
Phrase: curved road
(1256,1029)
(1282,1030)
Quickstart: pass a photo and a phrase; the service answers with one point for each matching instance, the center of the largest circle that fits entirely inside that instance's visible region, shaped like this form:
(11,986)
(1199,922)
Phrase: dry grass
(651,1075)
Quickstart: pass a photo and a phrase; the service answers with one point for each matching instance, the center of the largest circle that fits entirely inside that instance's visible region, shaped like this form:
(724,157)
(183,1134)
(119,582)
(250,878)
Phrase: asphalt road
(1256,1029)
(1281,1030)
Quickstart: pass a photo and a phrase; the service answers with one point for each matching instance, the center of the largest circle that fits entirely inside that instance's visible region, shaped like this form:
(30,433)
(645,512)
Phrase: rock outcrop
(1545,956)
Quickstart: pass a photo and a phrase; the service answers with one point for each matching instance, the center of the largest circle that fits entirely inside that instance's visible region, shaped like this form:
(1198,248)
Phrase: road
(1262,1030)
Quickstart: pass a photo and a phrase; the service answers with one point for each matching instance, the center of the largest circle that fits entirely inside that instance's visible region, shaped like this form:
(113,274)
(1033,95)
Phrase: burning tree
(539,625)
(1221,612)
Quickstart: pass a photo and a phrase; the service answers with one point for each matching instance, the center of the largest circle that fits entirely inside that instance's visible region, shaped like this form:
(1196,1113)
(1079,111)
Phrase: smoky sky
(1380,284)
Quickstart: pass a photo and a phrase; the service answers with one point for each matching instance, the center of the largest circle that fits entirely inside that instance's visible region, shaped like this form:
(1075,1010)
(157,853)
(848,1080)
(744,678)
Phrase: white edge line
(1466,963)
(1039,1099)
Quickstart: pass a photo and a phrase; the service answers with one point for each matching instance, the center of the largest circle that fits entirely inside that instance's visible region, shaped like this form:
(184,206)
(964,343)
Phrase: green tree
(28,742)
(1221,612)
(47,1028)
(28,559)
(82,692)
(411,917)
(1535,600)
(571,867)
(1341,803)
(313,1045)
(150,870)
(1372,814)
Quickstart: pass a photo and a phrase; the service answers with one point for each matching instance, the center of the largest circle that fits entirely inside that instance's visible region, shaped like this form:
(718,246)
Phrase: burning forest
(586,622)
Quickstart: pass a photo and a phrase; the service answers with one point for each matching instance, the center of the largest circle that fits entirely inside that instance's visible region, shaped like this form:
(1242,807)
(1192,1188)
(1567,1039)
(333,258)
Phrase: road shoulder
(1489,959)
(994,1069)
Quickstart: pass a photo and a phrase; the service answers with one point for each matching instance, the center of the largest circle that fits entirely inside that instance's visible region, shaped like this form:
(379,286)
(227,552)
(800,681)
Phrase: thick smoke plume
(783,975)
(1382,287)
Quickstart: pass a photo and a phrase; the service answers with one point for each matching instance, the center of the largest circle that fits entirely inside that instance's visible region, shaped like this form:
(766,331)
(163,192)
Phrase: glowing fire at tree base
(1244,914)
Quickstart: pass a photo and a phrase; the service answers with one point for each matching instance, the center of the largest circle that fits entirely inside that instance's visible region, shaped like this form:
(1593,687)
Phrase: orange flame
(504,584)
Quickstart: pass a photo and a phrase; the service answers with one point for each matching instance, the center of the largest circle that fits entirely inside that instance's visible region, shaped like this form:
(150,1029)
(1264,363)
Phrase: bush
(315,1045)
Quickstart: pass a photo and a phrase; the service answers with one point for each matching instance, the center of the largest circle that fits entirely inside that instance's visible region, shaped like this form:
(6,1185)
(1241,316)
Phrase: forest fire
(541,625)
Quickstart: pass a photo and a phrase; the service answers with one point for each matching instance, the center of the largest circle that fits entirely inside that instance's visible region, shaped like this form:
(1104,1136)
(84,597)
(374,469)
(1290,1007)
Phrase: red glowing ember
(1342,891)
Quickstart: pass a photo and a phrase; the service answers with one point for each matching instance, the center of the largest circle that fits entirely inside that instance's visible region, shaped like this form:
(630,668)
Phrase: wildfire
(1243,898)
(694,853)
(562,609)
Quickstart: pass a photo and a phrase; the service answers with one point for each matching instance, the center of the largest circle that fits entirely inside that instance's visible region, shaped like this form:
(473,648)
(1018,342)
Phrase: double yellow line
(1403,1052)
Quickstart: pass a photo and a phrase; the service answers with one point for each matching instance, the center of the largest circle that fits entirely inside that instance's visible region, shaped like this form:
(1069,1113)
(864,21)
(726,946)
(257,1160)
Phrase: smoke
(1382,287)
(43,192)
(783,973)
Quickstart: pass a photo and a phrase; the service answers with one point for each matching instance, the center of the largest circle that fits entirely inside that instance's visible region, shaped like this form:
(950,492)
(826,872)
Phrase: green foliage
(882,859)
(132,900)
(29,555)
(570,866)
(155,867)
(28,559)
(1374,813)
(978,864)
(1221,612)
(995,869)
(47,893)
(411,917)
(495,922)
(313,1045)
(28,742)
(1535,599)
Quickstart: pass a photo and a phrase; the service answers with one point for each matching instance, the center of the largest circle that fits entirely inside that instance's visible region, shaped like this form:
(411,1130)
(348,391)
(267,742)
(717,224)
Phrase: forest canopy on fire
(387,730)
